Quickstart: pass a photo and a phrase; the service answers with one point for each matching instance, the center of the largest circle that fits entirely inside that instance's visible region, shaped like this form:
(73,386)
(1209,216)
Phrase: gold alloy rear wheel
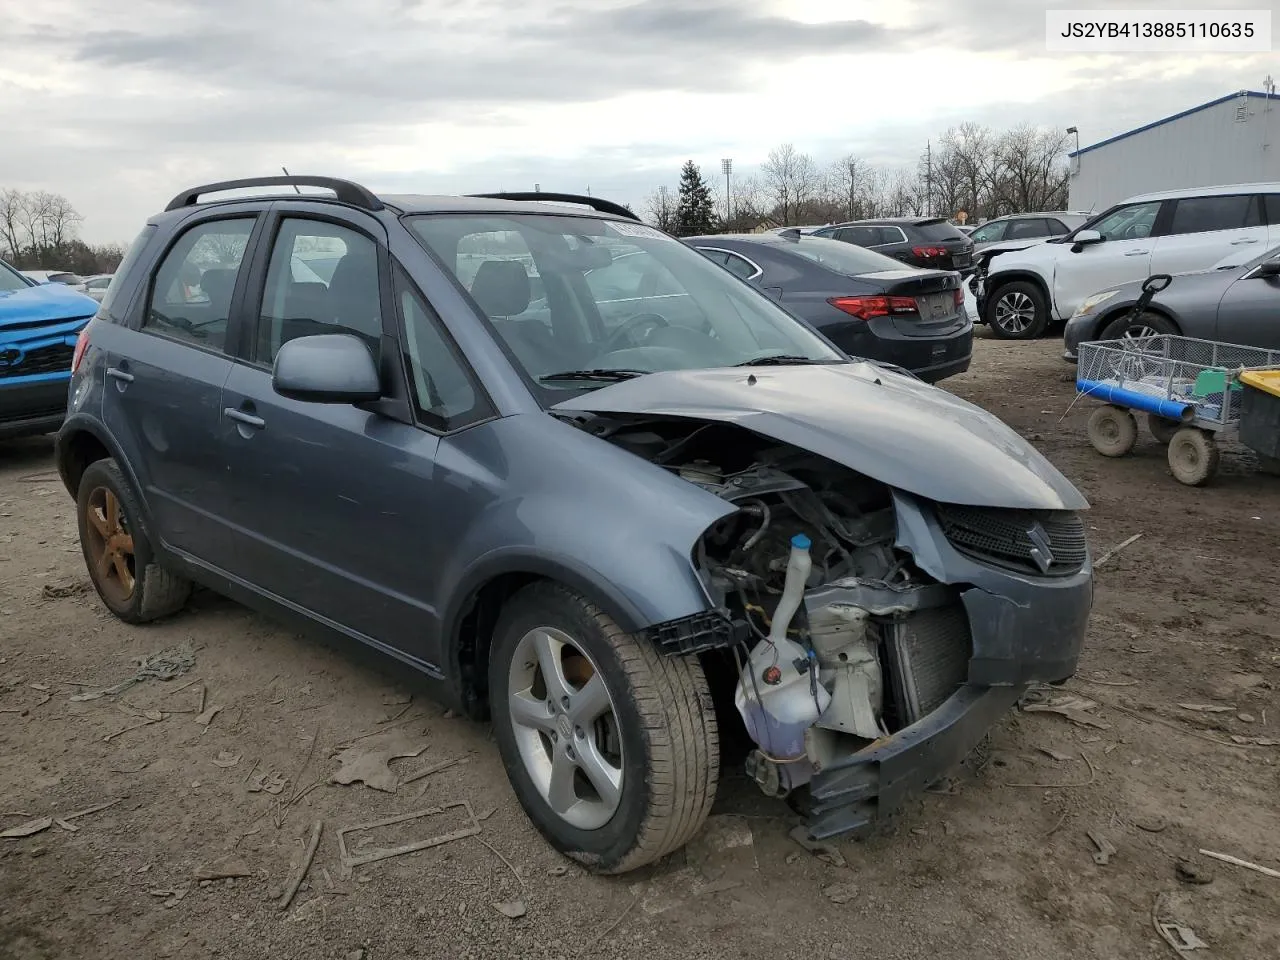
(109,546)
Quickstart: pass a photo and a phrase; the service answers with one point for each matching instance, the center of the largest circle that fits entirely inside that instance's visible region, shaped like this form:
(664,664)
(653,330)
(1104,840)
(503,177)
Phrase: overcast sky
(119,104)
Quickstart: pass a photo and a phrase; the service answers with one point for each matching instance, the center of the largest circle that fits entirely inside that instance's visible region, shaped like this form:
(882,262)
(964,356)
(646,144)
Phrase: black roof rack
(604,206)
(344,190)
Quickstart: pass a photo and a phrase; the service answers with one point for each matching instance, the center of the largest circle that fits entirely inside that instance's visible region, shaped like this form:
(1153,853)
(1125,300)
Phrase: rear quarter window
(123,276)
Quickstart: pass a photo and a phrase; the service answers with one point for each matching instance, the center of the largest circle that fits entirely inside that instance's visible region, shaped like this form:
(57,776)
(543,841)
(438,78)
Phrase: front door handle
(1238,243)
(116,373)
(1137,253)
(248,419)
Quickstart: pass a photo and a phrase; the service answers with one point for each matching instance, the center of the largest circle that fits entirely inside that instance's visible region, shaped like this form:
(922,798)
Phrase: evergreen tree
(695,213)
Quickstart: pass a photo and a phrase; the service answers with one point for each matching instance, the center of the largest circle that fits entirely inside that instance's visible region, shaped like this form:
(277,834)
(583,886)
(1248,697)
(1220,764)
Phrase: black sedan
(930,242)
(865,303)
(1233,304)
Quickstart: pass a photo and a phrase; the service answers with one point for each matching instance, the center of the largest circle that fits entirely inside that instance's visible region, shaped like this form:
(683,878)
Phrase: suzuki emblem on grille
(1041,548)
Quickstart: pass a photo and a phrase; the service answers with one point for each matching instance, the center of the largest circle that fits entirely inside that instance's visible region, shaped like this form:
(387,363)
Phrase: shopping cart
(1190,391)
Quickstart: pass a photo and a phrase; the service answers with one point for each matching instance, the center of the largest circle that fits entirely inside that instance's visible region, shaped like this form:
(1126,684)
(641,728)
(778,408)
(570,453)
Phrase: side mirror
(1084,238)
(326,368)
(1268,268)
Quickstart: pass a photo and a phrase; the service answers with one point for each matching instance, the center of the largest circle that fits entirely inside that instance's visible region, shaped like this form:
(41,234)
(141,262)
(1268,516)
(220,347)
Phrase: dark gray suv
(613,511)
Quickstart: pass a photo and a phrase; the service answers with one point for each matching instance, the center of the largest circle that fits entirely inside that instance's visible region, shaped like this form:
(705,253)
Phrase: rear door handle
(240,416)
(1137,253)
(117,374)
(1238,243)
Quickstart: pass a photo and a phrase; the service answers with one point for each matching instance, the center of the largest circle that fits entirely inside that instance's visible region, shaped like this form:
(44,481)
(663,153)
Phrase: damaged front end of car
(880,624)
(878,634)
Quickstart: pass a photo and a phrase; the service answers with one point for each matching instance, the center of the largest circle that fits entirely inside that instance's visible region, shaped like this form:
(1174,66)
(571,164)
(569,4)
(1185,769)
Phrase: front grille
(1016,539)
(52,359)
(929,653)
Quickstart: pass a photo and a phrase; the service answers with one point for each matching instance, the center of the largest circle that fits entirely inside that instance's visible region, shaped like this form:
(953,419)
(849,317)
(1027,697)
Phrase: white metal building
(1234,139)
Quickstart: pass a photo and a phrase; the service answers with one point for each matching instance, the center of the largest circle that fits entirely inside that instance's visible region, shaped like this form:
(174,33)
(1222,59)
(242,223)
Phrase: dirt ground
(999,865)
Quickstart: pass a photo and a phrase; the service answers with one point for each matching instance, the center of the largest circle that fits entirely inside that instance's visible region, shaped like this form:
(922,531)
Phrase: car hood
(47,302)
(1007,246)
(888,426)
(1182,285)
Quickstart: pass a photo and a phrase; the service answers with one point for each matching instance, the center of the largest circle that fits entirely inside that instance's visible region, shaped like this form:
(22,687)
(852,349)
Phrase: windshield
(11,279)
(846,258)
(581,294)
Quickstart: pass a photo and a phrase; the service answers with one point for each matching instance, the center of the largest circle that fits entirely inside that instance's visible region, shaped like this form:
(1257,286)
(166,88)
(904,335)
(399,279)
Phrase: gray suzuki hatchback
(599,489)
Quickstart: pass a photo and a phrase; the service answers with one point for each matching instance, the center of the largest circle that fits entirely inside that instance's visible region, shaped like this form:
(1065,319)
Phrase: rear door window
(191,295)
(1208,214)
(862,236)
(1028,228)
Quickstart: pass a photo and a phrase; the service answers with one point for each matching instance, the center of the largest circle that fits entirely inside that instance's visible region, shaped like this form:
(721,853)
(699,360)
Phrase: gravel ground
(1000,865)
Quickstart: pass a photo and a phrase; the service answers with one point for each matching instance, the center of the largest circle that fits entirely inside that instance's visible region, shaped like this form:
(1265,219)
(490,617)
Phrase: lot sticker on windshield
(640,230)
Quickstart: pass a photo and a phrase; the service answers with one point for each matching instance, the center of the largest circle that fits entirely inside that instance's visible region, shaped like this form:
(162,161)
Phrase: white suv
(1021,292)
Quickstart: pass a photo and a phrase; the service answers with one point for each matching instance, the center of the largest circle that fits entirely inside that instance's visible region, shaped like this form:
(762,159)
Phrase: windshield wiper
(602,375)
(776,360)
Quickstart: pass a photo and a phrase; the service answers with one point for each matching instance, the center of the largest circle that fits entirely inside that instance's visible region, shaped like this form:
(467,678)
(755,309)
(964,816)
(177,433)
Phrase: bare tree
(972,149)
(662,209)
(1033,172)
(13,214)
(792,179)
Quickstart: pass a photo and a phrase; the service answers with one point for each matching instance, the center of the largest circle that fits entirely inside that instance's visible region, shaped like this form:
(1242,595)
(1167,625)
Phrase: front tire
(1113,431)
(1017,311)
(1146,324)
(117,550)
(611,747)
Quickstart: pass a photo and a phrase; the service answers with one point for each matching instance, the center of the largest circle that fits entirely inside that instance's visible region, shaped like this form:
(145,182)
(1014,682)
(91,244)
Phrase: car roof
(892,221)
(1215,191)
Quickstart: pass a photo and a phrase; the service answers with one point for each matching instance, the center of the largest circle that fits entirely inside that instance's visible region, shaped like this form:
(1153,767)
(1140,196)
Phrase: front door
(165,373)
(1123,255)
(338,506)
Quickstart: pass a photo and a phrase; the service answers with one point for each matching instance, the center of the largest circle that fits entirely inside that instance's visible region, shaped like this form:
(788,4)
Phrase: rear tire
(657,735)
(117,549)
(1146,324)
(1113,431)
(1017,311)
(1193,456)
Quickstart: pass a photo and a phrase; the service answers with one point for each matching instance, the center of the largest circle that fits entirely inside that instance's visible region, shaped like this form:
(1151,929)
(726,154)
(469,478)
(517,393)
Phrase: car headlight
(1094,302)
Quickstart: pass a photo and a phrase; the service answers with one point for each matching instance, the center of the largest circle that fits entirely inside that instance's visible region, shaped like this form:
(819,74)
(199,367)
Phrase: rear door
(166,367)
(1123,255)
(1200,231)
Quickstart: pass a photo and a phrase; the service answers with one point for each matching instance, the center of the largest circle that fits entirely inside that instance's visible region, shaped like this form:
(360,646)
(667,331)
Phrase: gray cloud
(183,91)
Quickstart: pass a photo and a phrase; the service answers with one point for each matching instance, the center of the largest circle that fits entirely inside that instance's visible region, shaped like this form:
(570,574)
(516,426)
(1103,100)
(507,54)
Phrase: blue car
(39,324)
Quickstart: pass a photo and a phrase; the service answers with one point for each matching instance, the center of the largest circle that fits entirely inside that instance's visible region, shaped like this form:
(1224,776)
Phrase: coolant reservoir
(778,695)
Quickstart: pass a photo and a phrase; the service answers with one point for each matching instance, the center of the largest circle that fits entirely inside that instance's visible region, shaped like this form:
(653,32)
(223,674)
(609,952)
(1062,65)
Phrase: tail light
(866,308)
(929,251)
(959,297)
(77,355)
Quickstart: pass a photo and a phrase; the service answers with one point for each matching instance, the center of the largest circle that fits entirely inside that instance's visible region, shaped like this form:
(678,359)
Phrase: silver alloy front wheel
(1015,312)
(565,728)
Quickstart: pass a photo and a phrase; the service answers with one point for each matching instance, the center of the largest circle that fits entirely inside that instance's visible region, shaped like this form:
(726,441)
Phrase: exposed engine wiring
(767,516)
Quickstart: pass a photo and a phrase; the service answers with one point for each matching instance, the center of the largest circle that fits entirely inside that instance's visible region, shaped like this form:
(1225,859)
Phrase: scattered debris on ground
(348,860)
(369,762)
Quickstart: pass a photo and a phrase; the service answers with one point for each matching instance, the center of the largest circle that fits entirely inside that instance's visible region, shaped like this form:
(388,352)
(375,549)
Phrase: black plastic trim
(345,191)
(604,206)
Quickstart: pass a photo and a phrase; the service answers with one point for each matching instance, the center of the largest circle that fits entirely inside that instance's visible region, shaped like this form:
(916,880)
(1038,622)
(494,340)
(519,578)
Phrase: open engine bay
(848,640)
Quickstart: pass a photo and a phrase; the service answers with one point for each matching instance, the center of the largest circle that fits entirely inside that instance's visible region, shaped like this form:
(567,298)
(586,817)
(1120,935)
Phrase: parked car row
(1022,288)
